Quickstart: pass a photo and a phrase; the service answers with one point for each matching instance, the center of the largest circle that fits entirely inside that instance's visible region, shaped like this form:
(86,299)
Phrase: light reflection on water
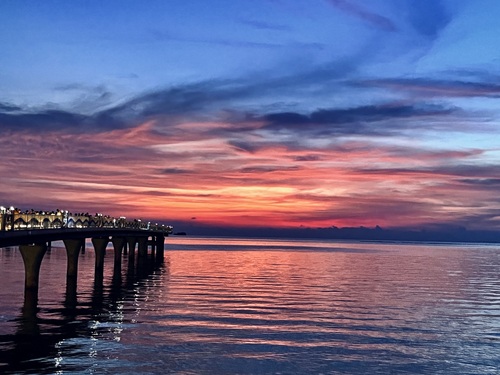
(240,306)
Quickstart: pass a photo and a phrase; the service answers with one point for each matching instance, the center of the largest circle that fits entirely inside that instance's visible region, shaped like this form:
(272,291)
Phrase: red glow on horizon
(181,174)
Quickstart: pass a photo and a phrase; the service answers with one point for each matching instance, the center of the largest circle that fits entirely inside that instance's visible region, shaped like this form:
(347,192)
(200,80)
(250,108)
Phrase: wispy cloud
(175,171)
(234,42)
(429,87)
(43,120)
(6,107)
(263,25)
(356,120)
(372,18)
(226,177)
(429,17)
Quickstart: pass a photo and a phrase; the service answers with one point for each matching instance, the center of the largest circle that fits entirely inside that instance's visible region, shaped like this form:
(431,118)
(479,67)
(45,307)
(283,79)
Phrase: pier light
(12,208)
(2,209)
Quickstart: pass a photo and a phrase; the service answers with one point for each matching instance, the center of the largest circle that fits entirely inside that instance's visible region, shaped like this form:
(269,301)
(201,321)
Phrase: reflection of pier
(34,232)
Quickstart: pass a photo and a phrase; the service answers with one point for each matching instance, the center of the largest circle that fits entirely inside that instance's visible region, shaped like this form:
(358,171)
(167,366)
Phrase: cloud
(43,120)
(322,185)
(86,99)
(493,182)
(307,158)
(228,101)
(157,193)
(182,100)
(175,171)
(245,146)
(234,43)
(472,172)
(426,87)
(193,100)
(6,107)
(364,14)
(267,169)
(355,120)
(263,25)
(428,17)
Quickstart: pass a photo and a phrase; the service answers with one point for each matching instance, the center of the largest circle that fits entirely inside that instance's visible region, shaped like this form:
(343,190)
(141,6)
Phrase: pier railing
(14,219)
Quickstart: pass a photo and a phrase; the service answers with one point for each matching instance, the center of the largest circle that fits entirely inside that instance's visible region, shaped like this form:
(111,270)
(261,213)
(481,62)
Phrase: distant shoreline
(449,235)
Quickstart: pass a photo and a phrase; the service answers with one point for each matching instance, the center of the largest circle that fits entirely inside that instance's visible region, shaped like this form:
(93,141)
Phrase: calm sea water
(246,306)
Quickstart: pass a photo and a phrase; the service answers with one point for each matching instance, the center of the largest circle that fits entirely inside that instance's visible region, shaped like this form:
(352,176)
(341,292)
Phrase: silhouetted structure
(34,231)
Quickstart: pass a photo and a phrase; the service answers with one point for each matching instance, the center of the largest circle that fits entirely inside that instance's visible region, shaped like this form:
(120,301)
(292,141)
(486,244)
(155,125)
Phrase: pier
(35,231)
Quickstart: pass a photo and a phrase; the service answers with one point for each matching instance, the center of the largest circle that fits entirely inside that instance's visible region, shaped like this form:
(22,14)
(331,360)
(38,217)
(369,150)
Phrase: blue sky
(303,109)
(129,46)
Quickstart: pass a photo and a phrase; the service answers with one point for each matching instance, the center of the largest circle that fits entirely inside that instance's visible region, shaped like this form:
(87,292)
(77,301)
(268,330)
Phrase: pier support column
(153,247)
(131,241)
(118,243)
(160,248)
(143,246)
(100,244)
(73,248)
(32,257)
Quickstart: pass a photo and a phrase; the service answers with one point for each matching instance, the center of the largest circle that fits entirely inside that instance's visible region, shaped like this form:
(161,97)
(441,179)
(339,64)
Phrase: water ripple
(236,306)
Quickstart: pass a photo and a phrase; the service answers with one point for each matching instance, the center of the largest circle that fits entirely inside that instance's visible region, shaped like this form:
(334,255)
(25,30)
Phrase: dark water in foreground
(240,306)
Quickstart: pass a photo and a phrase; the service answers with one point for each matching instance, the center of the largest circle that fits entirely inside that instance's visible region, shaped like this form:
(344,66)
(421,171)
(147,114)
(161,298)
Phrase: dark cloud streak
(472,173)
(268,169)
(262,25)
(44,120)
(354,120)
(6,107)
(175,171)
(362,13)
(436,87)
(207,100)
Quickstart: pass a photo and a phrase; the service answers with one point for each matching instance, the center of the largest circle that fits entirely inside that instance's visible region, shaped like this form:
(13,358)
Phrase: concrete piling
(118,243)
(40,241)
(100,244)
(143,246)
(160,248)
(73,248)
(32,258)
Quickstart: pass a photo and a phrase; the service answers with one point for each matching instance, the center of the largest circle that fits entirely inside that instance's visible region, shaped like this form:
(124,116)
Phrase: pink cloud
(155,172)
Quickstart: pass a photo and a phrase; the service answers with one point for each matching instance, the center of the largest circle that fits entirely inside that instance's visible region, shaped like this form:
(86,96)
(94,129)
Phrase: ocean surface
(257,306)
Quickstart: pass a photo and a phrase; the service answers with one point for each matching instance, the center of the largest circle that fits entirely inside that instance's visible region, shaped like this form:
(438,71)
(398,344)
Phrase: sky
(263,113)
